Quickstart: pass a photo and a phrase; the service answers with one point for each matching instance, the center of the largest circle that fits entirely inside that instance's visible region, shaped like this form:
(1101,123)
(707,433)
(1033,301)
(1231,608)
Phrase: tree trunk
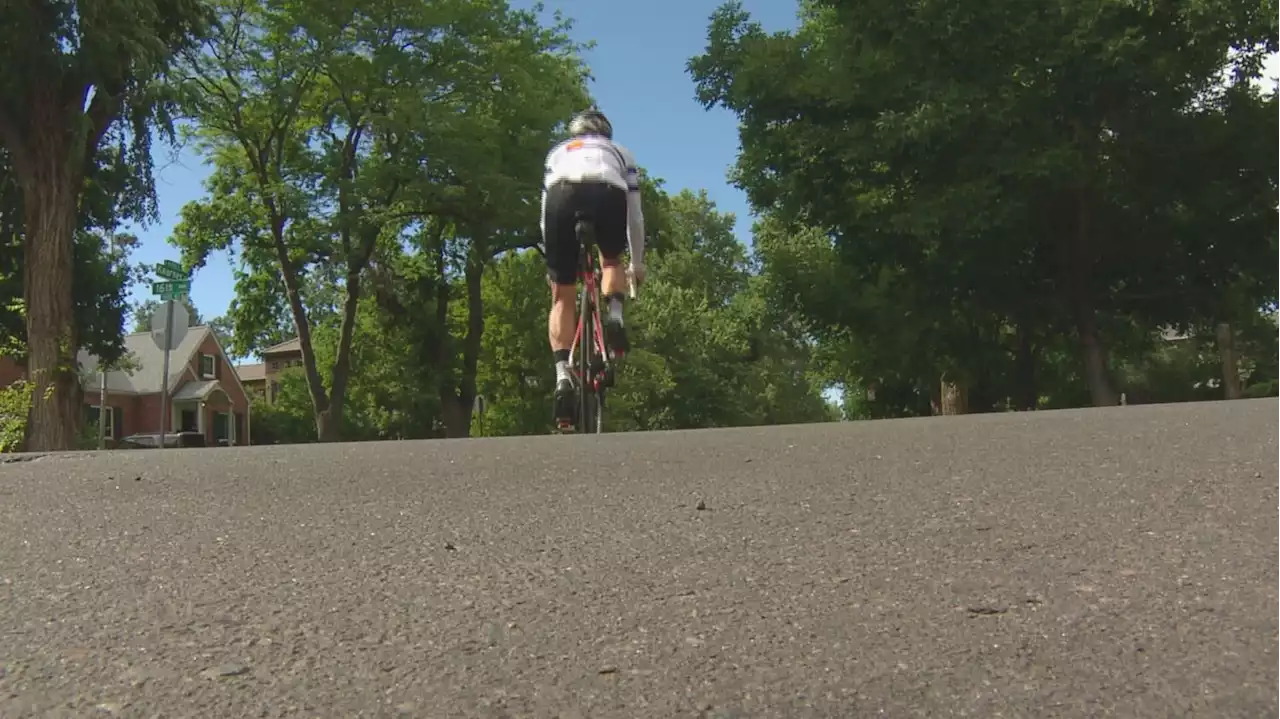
(1077,266)
(953,397)
(444,350)
(1231,388)
(457,404)
(1094,354)
(326,428)
(329,422)
(475,332)
(1026,397)
(50,188)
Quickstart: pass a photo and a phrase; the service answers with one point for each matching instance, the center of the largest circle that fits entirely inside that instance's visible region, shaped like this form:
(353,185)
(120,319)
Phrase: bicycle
(593,371)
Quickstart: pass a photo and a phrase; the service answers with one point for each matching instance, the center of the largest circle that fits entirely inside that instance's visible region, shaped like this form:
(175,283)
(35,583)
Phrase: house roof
(150,359)
(293,345)
(251,372)
(197,390)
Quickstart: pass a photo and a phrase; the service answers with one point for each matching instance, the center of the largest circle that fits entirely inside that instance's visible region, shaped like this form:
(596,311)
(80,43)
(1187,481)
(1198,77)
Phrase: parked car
(152,440)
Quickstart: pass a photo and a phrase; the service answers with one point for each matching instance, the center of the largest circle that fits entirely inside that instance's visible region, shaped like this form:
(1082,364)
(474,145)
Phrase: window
(110,418)
(208,365)
(275,391)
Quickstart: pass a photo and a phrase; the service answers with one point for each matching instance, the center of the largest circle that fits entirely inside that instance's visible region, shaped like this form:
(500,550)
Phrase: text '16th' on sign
(172,289)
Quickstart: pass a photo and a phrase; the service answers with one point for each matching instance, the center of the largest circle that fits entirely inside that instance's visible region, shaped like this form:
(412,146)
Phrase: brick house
(205,393)
(262,378)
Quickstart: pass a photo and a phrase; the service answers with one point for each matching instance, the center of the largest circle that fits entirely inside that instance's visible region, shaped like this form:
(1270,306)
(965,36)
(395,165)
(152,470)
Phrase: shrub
(15,404)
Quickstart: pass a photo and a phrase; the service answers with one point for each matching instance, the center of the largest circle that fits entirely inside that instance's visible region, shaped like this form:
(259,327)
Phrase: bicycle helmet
(590,122)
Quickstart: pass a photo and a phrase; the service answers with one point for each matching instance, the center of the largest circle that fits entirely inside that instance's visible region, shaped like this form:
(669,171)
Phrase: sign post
(169,327)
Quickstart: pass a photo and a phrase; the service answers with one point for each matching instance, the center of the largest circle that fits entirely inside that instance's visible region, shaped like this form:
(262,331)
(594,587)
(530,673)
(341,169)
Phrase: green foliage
(708,348)
(289,419)
(15,403)
(514,375)
(978,192)
(317,117)
(104,273)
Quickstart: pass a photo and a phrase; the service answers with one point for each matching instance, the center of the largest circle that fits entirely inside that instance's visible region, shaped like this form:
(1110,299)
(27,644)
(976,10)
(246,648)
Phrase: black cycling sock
(562,355)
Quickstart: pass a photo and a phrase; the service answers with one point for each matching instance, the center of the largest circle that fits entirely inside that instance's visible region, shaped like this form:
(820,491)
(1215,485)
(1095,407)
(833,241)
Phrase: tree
(979,171)
(515,375)
(104,275)
(318,117)
(711,349)
(87,84)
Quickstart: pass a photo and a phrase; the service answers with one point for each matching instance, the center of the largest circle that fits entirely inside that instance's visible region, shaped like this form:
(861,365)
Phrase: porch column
(200,418)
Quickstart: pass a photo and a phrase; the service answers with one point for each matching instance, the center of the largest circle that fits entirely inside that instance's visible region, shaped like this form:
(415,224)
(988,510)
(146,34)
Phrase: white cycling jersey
(594,158)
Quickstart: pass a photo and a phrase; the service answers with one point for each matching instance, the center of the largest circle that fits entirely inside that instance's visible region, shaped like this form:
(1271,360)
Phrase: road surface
(1093,563)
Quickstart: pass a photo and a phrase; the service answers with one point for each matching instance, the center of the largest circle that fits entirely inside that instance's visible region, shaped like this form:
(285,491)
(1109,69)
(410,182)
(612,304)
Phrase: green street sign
(171,270)
(171,290)
(165,297)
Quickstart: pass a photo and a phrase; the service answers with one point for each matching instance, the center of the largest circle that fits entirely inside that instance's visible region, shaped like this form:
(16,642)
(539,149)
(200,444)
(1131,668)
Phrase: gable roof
(251,372)
(227,361)
(200,389)
(150,360)
(293,345)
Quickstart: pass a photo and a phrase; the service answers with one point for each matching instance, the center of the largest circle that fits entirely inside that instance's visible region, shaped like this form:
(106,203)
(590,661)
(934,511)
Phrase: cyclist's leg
(611,235)
(561,243)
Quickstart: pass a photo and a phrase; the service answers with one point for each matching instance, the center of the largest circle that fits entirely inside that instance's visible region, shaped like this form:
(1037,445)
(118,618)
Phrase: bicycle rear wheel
(590,408)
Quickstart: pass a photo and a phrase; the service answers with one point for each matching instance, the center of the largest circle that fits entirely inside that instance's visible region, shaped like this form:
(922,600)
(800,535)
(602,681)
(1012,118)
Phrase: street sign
(181,318)
(172,289)
(171,270)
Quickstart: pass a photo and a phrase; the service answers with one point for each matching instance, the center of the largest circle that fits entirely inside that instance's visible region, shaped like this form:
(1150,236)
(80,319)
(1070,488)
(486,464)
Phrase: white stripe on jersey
(592,157)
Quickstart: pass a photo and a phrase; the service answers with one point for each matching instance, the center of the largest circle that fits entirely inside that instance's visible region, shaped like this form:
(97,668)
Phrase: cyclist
(591,175)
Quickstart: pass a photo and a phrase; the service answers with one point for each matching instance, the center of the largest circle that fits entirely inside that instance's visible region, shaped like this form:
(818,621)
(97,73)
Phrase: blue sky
(640,83)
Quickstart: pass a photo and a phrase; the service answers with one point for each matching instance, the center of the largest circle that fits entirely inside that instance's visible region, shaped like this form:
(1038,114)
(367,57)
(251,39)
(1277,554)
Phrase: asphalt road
(1093,563)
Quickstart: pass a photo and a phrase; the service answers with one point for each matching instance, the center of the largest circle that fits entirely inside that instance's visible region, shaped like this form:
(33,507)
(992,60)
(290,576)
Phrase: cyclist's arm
(635,216)
(547,170)
(542,216)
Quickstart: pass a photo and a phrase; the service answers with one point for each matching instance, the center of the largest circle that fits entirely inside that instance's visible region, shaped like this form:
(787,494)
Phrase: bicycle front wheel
(588,397)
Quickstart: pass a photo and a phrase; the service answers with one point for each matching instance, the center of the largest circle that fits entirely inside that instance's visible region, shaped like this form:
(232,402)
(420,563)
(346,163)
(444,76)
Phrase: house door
(221,426)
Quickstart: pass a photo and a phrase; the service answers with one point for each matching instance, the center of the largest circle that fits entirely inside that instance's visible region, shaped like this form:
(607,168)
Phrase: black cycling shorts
(604,204)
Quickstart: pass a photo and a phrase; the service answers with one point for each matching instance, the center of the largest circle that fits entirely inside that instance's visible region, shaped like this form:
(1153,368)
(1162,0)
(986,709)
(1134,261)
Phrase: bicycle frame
(589,360)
